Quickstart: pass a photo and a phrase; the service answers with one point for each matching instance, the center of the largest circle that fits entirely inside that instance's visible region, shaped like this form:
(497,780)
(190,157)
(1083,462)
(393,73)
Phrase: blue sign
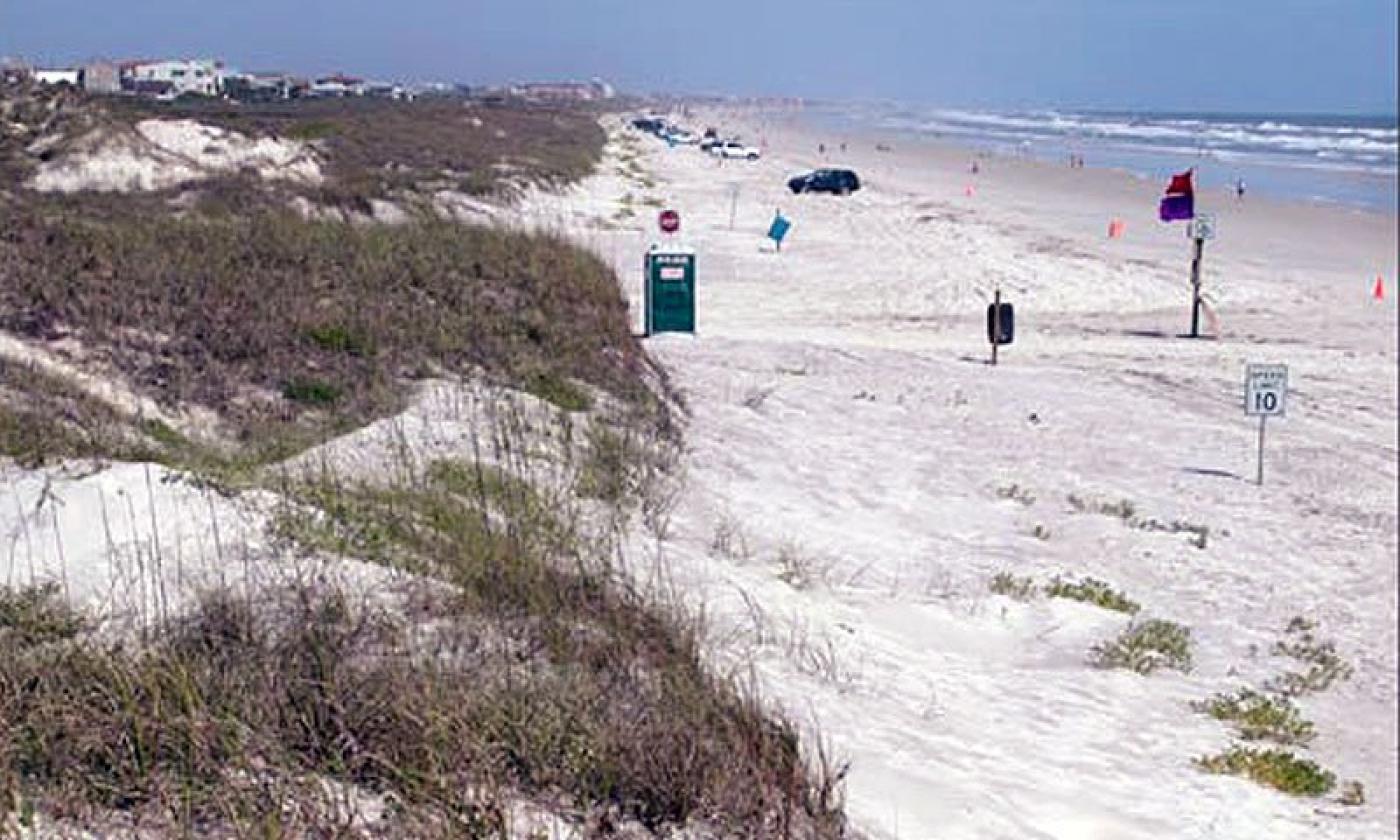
(779,229)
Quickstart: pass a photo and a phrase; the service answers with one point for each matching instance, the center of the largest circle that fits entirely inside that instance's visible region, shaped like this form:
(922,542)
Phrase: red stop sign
(670,221)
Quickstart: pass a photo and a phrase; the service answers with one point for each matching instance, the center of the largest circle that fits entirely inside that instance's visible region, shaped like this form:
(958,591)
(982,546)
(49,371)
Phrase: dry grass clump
(44,419)
(639,719)
(528,669)
(1127,512)
(286,327)
(35,616)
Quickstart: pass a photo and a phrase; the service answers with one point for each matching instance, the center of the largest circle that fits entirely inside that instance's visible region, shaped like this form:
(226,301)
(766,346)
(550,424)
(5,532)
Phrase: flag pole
(1196,284)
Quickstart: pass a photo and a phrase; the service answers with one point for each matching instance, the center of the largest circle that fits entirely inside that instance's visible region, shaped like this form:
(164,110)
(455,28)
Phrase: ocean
(1348,160)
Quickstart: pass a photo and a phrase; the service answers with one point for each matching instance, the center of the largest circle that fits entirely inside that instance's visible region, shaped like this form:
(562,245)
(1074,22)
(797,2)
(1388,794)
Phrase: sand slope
(850,454)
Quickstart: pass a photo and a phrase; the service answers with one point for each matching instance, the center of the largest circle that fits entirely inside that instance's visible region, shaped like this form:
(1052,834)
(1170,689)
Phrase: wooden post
(996,323)
(1196,287)
(1259,475)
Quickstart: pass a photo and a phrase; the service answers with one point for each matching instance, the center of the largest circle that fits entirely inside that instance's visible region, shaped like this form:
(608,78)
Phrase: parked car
(836,181)
(734,149)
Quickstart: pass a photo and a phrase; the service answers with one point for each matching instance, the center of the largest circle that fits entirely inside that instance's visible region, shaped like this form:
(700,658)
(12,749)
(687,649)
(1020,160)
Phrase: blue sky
(1232,55)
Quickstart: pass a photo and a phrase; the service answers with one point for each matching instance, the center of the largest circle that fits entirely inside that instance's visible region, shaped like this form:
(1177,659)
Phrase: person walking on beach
(1239,189)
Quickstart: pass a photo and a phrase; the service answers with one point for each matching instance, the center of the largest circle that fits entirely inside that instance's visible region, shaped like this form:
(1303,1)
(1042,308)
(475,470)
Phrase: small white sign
(1203,226)
(1265,390)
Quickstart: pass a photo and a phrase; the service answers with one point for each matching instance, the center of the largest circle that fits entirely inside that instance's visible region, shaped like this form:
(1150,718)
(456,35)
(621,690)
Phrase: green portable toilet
(669,290)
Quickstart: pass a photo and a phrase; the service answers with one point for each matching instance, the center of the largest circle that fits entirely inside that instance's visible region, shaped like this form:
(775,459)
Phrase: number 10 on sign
(1265,392)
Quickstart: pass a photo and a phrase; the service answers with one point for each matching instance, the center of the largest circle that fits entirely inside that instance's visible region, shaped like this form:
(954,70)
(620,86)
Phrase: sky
(1310,56)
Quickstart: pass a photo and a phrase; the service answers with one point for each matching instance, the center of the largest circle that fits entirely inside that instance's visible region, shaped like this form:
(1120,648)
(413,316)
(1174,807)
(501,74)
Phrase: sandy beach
(857,474)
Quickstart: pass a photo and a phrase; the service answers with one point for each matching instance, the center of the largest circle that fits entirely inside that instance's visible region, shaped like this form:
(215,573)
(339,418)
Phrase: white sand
(843,411)
(160,154)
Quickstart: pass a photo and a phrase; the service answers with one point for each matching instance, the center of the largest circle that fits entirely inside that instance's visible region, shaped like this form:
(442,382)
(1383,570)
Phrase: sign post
(1265,393)
(669,221)
(778,229)
(1201,229)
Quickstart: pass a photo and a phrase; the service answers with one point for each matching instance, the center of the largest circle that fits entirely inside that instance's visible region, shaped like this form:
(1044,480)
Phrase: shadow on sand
(1212,473)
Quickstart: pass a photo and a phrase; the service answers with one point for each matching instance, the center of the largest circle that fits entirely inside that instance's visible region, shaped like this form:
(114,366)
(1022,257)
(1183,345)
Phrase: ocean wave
(1370,141)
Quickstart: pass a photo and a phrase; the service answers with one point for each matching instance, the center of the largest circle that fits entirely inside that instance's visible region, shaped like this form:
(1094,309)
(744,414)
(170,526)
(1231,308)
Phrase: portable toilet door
(669,290)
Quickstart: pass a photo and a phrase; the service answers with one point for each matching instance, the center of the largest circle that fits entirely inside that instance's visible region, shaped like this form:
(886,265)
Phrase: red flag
(1181,184)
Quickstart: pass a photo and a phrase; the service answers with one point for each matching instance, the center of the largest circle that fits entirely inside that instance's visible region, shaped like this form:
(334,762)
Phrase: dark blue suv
(837,181)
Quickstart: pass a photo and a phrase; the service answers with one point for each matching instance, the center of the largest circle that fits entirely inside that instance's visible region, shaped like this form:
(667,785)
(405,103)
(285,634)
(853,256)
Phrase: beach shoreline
(1342,160)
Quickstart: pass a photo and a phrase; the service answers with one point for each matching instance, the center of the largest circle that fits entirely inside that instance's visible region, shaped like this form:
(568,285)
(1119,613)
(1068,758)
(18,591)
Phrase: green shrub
(44,419)
(1123,509)
(607,472)
(161,433)
(557,389)
(1092,591)
(1324,666)
(1012,586)
(341,339)
(1127,512)
(310,391)
(1145,647)
(1353,794)
(1277,769)
(1017,493)
(36,615)
(1259,717)
(311,130)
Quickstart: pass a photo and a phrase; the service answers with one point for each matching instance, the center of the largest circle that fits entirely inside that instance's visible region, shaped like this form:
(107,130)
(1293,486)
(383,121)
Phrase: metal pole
(733,203)
(1196,288)
(1259,476)
(996,323)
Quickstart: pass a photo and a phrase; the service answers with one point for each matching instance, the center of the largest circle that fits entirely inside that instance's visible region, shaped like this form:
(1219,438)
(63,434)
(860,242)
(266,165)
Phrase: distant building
(202,77)
(12,70)
(388,90)
(72,78)
(592,91)
(102,77)
(338,85)
(260,87)
(153,88)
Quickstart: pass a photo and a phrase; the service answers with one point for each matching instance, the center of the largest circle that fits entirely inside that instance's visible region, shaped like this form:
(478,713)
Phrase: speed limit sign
(1265,390)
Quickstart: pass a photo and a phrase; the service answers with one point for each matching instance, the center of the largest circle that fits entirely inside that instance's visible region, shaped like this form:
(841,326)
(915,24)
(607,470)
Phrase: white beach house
(72,78)
(197,76)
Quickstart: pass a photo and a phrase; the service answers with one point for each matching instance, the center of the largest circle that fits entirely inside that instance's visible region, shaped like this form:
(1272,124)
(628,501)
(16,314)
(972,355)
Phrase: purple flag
(1174,207)
(1180,201)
